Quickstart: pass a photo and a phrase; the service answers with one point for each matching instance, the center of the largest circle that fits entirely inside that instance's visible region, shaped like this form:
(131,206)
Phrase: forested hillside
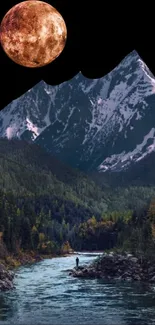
(27,168)
(47,207)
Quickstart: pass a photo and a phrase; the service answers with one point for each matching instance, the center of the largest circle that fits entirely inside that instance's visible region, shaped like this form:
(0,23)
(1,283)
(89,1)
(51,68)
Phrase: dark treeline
(48,226)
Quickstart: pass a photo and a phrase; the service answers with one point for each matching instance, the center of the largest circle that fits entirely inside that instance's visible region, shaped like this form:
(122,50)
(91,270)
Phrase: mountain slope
(137,174)
(28,169)
(104,124)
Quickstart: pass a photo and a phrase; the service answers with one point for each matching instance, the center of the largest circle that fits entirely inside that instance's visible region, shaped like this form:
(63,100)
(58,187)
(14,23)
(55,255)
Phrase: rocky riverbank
(10,262)
(118,266)
(6,278)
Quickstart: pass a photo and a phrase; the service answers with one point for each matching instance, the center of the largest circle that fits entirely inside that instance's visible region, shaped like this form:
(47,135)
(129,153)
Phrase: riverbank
(118,266)
(45,287)
(6,278)
(10,262)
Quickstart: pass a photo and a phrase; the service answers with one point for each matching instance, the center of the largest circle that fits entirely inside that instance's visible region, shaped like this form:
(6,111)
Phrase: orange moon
(33,33)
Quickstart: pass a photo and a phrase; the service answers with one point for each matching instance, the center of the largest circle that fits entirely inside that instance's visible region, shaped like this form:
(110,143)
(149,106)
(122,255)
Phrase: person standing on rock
(77,262)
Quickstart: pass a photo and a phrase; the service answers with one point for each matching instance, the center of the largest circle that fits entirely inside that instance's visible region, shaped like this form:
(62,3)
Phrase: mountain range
(105,124)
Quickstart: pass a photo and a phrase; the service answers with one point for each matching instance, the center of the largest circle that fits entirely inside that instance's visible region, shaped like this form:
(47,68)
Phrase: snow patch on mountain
(31,127)
(88,88)
(11,132)
(123,159)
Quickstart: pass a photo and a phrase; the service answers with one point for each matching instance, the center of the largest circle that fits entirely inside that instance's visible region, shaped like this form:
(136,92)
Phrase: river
(45,294)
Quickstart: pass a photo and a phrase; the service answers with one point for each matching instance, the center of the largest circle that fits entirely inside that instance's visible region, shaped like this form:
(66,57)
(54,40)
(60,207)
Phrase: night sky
(100,35)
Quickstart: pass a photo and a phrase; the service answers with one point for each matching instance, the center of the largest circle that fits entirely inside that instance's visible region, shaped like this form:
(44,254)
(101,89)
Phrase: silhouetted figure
(77,262)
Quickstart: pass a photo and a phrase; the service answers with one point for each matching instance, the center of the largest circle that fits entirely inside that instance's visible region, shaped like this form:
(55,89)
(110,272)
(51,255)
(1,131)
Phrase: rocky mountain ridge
(103,124)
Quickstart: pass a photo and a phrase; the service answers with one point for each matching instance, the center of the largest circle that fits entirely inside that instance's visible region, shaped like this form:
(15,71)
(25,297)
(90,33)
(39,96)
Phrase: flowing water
(45,294)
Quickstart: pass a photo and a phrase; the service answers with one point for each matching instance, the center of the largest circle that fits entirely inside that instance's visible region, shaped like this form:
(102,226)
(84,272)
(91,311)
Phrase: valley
(49,208)
(77,174)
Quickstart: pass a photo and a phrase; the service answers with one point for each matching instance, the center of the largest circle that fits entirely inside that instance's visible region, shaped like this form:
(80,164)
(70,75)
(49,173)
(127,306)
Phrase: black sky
(100,35)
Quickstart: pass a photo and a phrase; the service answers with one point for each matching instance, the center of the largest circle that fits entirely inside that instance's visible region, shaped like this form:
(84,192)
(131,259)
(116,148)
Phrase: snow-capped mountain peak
(100,123)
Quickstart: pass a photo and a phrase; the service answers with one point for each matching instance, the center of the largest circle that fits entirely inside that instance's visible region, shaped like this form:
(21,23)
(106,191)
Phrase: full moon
(33,33)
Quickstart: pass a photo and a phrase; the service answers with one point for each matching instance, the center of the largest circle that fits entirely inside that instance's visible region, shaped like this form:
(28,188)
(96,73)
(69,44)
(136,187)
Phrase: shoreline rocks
(9,264)
(6,278)
(117,266)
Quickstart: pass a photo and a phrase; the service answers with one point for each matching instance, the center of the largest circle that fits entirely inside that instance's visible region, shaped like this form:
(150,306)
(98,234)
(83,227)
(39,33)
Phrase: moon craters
(33,33)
